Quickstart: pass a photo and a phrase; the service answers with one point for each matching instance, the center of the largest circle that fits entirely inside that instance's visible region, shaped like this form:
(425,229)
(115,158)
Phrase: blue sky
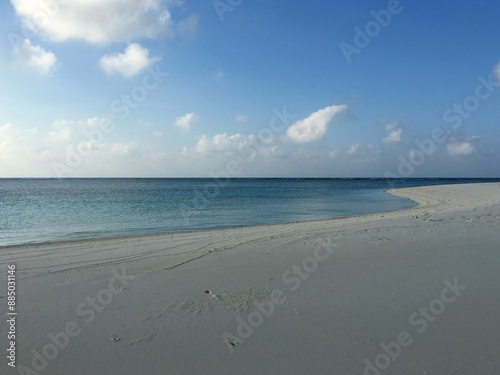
(152,88)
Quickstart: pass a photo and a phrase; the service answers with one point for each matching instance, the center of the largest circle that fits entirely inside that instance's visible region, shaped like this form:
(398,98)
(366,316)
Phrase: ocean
(41,210)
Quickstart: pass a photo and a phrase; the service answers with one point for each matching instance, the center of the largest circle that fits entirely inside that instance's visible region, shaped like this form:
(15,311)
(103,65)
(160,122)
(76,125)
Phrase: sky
(239,88)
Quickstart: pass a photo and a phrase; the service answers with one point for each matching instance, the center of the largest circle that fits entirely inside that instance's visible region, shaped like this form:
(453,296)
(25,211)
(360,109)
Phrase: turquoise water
(40,210)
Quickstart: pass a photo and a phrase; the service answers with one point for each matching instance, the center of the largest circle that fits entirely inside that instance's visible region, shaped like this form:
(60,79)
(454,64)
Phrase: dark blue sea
(41,210)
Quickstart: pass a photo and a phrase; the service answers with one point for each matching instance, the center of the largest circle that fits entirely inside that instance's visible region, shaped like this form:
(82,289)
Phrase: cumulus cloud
(394,129)
(62,132)
(313,127)
(103,21)
(69,148)
(387,124)
(222,148)
(393,137)
(224,143)
(354,148)
(34,57)
(78,151)
(184,122)
(128,64)
(241,119)
(460,149)
(81,148)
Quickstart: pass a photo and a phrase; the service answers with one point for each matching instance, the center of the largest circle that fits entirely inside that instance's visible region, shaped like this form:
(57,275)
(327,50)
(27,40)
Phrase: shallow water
(40,210)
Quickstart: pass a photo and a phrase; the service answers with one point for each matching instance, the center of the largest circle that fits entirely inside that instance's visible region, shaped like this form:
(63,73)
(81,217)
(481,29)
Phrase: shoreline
(154,233)
(395,192)
(206,301)
(145,235)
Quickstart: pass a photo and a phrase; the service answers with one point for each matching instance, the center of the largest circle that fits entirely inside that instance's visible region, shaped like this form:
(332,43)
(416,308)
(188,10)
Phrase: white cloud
(63,131)
(313,127)
(241,118)
(8,137)
(32,152)
(460,148)
(71,148)
(273,151)
(388,125)
(224,143)
(99,21)
(135,59)
(184,122)
(393,137)
(34,57)
(158,134)
(19,153)
(222,148)
(354,148)
(123,149)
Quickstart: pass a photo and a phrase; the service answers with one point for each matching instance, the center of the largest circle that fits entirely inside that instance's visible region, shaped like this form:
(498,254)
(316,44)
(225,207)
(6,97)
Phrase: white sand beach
(405,292)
